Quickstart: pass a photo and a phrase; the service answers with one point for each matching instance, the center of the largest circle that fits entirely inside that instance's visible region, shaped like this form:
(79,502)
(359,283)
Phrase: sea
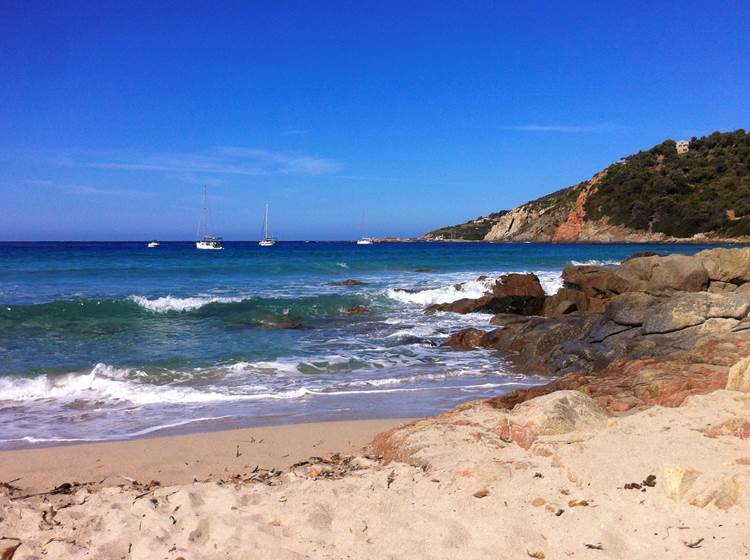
(111,341)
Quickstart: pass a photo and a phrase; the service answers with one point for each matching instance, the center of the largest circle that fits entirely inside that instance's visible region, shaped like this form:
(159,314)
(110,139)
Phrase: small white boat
(365,241)
(210,243)
(206,241)
(152,244)
(267,241)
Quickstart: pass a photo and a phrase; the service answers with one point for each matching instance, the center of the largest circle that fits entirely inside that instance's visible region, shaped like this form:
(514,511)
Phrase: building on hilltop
(683,146)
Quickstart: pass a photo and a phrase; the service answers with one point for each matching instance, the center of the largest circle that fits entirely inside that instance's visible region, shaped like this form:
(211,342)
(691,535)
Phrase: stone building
(683,146)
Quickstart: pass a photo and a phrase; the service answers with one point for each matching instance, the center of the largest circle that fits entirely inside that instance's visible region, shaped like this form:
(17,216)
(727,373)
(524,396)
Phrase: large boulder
(565,301)
(469,338)
(554,414)
(739,376)
(663,275)
(594,281)
(531,343)
(520,294)
(726,265)
(654,275)
(630,308)
(689,310)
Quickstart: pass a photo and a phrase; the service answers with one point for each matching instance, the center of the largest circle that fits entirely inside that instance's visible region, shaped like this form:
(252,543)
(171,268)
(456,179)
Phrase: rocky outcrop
(512,293)
(739,376)
(654,275)
(649,331)
(728,266)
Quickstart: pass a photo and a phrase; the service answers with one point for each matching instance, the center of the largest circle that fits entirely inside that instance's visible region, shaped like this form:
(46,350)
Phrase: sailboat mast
(202,225)
(265,224)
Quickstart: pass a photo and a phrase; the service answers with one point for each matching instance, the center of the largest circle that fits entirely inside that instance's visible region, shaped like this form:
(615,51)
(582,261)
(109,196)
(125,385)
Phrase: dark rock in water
(279,324)
(424,269)
(352,282)
(358,309)
(469,338)
(513,293)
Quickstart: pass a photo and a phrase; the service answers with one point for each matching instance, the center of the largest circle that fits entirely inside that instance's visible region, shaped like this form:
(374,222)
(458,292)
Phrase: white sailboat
(152,244)
(206,241)
(267,241)
(364,240)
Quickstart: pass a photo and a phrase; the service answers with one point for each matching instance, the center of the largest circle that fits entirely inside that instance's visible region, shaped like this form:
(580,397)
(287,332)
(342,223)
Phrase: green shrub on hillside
(706,189)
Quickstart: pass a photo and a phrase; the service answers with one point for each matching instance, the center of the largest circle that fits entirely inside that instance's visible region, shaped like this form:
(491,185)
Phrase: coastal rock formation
(654,275)
(512,293)
(650,331)
(656,195)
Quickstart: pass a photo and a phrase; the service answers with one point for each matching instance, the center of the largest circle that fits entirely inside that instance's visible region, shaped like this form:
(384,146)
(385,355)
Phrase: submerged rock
(352,282)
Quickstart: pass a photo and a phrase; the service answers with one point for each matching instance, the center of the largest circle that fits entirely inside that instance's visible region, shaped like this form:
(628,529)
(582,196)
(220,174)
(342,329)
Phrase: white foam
(551,281)
(121,384)
(472,289)
(166,304)
(595,262)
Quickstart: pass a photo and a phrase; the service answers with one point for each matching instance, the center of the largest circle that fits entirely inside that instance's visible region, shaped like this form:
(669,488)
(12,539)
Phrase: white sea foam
(551,281)
(122,384)
(166,304)
(445,294)
(595,262)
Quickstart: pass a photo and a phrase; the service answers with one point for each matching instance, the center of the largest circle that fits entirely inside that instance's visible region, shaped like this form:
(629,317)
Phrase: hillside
(654,195)
(473,230)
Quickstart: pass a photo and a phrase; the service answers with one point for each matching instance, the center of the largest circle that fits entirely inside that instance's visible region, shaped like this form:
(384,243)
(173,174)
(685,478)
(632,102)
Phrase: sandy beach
(181,459)
(670,482)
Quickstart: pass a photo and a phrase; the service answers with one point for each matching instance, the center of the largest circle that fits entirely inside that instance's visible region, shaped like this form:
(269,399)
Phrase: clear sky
(403,115)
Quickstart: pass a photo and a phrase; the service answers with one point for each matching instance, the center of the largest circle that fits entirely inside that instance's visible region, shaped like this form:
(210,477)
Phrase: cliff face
(658,195)
(561,218)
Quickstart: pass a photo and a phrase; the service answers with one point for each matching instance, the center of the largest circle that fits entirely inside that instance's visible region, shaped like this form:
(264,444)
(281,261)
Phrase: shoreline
(183,458)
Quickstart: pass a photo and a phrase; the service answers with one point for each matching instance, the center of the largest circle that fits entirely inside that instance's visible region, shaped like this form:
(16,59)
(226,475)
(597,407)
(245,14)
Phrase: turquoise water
(114,340)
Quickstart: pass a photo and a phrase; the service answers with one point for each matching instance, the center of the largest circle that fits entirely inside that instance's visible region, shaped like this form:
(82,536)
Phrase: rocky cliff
(658,195)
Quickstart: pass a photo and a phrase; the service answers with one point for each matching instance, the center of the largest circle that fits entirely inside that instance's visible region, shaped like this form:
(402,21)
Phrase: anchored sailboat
(267,241)
(206,241)
(363,240)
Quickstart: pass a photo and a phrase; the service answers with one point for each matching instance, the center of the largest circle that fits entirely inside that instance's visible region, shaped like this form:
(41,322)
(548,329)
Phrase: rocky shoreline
(649,331)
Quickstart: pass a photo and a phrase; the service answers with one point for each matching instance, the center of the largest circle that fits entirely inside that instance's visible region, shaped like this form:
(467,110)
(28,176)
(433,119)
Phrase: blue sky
(412,115)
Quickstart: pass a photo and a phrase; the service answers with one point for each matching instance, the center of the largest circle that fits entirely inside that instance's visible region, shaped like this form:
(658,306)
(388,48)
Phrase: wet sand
(181,459)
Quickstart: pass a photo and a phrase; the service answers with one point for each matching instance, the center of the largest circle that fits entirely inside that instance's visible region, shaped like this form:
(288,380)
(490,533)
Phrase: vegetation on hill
(704,190)
(474,230)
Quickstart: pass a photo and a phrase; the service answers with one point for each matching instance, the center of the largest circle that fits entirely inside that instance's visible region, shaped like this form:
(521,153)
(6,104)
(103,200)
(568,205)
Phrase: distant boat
(206,241)
(267,240)
(153,243)
(363,240)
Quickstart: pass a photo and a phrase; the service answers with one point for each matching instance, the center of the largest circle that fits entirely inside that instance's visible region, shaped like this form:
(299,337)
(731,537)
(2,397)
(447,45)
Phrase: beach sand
(568,481)
(180,459)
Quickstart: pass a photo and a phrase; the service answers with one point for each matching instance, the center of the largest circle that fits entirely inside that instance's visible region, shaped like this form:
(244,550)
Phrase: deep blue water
(114,340)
